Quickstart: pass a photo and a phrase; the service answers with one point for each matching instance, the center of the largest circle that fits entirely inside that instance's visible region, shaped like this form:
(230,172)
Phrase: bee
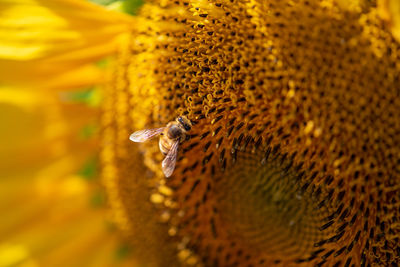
(170,138)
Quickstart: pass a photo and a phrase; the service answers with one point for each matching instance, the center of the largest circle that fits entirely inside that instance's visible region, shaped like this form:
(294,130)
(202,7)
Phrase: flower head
(294,107)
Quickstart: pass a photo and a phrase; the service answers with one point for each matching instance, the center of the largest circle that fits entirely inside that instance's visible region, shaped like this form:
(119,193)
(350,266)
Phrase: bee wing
(144,135)
(168,164)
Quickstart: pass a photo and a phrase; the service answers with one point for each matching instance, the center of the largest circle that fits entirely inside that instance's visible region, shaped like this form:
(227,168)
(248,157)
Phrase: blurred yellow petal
(390,12)
(49,99)
(29,29)
(44,39)
(24,99)
(11,255)
(48,76)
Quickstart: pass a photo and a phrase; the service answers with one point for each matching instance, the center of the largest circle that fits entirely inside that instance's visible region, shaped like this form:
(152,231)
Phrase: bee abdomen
(165,145)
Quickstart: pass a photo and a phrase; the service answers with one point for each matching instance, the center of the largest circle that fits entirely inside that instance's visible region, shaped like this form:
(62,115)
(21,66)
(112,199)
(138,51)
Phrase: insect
(170,138)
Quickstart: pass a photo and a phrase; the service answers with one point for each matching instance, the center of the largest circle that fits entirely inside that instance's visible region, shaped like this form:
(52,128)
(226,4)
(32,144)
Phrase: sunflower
(293,158)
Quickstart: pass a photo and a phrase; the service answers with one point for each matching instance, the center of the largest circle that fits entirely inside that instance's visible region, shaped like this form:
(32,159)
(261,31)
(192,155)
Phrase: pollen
(294,155)
(165,190)
(157,198)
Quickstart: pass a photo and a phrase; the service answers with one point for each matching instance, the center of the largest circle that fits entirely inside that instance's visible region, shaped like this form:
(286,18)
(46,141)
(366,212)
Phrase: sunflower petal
(34,29)
(389,10)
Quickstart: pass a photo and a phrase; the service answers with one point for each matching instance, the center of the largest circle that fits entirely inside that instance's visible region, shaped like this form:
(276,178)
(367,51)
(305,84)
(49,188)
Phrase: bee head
(185,122)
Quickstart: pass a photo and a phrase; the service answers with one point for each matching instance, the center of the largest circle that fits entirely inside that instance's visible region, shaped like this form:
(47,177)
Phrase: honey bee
(170,138)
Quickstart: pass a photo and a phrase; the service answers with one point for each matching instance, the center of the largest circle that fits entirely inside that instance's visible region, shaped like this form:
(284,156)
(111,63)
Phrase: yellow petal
(43,39)
(24,99)
(389,10)
(33,74)
(33,29)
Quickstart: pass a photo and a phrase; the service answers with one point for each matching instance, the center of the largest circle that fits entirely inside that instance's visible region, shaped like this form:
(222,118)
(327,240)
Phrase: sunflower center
(264,207)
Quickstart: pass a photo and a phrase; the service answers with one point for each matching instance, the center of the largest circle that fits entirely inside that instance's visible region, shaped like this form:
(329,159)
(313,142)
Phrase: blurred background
(53,209)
